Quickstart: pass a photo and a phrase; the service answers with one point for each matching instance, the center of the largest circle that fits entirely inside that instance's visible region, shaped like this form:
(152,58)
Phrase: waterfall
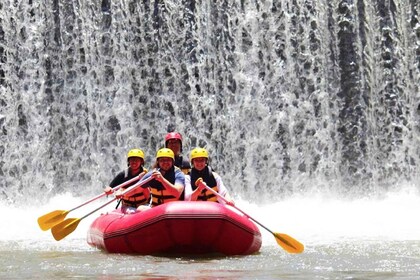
(288,96)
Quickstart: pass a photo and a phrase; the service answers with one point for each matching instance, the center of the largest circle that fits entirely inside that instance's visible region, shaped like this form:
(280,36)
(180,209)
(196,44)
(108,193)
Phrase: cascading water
(288,96)
(310,111)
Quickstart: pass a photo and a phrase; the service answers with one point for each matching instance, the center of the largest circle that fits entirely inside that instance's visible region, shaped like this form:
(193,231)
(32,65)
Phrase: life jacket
(158,192)
(137,199)
(207,175)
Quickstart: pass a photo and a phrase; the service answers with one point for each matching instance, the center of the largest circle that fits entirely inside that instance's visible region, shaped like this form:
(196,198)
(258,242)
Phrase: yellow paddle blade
(288,243)
(64,228)
(49,220)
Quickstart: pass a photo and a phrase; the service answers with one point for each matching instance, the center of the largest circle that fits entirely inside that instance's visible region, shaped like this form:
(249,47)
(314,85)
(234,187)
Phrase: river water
(344,239)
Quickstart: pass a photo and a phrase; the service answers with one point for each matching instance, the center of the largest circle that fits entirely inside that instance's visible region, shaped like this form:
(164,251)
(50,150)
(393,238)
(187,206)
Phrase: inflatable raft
(179,227)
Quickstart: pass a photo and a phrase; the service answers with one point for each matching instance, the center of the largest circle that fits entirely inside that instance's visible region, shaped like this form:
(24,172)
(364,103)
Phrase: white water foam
(314,219)
(311,219)
(20,224)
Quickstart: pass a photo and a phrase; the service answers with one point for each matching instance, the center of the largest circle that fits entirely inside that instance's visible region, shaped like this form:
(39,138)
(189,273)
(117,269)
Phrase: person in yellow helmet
(195,189)
(169,180)
(135,162)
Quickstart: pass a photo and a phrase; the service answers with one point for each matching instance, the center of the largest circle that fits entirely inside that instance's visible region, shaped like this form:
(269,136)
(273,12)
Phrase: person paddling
(169,181)
(139,200)
(201,175)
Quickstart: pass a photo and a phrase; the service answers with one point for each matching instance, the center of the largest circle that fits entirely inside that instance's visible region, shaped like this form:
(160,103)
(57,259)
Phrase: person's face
(135,162)
(199,163)
(165,163)
(175,146)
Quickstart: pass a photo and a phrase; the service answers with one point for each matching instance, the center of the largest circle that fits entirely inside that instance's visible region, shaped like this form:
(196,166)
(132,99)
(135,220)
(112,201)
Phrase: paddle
(67,226)
(49,220)
(287,242)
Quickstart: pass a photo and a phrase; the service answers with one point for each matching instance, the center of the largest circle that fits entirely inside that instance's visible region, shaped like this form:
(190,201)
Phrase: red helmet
(173,135)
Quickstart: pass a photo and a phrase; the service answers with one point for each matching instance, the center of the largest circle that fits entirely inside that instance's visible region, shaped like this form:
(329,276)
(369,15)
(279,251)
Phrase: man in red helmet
(173,141)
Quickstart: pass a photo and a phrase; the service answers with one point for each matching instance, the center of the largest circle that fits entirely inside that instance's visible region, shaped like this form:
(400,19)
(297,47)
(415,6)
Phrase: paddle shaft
(139,184)
(103,194)
(225,200)
(51,219)
(67,226)
(288,243)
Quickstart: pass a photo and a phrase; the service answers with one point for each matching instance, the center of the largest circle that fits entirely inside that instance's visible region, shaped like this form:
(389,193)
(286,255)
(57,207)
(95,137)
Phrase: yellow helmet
(199,153)
(135,153)
(165,152)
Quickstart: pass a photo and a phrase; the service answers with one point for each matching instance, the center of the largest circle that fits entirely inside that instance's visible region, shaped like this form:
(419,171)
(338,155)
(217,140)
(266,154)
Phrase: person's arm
(173,189)
(201,187)
(179,181)
(188,189)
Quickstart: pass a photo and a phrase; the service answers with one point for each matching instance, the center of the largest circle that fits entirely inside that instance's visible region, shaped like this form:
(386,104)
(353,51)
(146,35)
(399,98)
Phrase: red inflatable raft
(179,227)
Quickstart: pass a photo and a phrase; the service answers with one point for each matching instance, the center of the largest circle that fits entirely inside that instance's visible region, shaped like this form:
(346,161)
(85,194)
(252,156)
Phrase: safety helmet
(165,152)
(199,153)
(135,153)
(173,135)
